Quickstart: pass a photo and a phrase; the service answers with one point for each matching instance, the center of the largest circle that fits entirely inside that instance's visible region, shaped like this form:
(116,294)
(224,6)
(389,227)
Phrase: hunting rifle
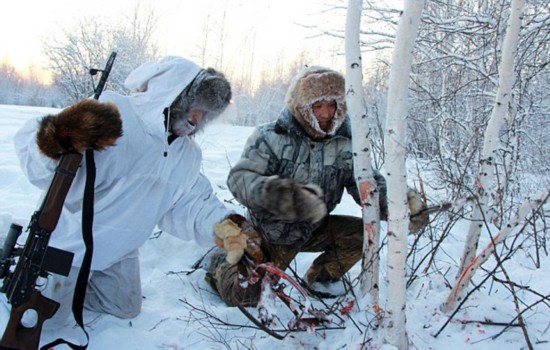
(36,259)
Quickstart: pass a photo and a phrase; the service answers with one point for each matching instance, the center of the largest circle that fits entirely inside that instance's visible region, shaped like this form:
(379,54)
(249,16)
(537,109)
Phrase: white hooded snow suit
(137,187)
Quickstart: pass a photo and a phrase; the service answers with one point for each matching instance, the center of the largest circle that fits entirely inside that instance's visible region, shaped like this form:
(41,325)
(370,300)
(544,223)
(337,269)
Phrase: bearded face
(181,123)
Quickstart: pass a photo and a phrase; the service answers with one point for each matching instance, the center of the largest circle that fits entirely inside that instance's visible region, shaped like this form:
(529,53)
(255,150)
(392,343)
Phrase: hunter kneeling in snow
(291,175)
(149,177)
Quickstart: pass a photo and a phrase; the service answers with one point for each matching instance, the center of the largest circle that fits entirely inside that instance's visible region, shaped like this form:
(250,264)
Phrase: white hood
(155,85)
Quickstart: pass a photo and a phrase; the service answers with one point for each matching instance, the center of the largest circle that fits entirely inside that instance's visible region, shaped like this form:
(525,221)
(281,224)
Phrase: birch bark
(396,175)
(361,143)
(491,145)
(523,213)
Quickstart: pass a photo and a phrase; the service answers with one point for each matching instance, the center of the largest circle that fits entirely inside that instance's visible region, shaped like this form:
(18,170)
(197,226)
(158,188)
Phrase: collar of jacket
(287,124)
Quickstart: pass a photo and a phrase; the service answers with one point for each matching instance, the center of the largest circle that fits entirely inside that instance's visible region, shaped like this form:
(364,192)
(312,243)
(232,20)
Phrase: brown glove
(291,201)
(417,208)
(88,124)
(236,235)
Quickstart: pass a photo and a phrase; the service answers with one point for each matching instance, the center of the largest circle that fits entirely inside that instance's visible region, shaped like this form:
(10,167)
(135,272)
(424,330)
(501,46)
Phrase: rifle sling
(83,275)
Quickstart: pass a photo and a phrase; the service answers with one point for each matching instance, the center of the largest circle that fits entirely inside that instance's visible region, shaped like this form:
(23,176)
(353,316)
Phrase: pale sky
(270,24)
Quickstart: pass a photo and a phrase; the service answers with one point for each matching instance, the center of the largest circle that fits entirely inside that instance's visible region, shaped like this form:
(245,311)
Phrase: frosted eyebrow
(321,102)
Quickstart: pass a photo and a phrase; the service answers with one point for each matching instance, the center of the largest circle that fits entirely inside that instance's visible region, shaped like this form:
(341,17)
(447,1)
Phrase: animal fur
(236,226)
(417,205)
(229,236)
(212,93)
(311,85)
(88,124)
(293,202)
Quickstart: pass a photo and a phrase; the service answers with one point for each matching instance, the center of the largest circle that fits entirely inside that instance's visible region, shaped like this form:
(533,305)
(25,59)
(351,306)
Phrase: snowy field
(181,312)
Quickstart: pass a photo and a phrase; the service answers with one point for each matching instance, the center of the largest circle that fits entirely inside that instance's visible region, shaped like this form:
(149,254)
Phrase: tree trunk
(486,176)
(396,175)
(363,172)
(522,214)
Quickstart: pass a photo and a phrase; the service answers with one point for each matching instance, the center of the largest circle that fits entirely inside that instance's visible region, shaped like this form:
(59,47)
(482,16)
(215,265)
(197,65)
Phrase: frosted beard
(178,115)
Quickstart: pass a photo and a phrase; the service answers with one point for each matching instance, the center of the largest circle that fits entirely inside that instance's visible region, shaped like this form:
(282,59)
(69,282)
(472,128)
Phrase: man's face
(186,124)
(324,111)
(184,120)
(196,115)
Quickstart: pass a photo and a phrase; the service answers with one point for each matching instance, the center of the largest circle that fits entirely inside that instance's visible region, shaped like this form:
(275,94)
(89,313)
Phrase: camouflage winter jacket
(283,148)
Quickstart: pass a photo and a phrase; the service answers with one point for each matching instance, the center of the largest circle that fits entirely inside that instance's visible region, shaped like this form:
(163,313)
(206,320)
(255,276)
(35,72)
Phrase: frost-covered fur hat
(314,84)
(209,91)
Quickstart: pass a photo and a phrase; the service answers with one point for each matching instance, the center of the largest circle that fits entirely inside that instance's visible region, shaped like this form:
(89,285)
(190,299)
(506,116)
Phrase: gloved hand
(88,124)
(236,235)
(417,208)
(291,201)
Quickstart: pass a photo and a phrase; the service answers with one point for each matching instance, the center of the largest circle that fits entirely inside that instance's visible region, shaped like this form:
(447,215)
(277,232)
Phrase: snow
(180,311)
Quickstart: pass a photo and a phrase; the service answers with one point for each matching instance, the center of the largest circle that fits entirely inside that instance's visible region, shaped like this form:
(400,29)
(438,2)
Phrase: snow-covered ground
(181,312)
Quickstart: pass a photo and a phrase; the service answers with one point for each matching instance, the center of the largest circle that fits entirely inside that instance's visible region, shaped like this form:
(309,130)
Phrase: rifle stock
(19,285)
(19,336)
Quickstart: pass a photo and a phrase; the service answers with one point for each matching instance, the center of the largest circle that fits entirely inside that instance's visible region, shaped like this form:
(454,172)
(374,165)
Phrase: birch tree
(396,175)
(363,172)
(455,74)
(525,210)
(491,146)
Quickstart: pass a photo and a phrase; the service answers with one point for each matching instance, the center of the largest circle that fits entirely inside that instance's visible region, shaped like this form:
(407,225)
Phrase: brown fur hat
(314,84)
(88,124)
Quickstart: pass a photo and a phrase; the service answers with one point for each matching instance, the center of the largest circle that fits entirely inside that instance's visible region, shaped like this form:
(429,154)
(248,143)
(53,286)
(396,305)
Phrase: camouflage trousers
(340,239)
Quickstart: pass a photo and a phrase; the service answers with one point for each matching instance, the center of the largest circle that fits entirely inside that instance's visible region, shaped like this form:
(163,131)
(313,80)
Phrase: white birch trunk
(491,145)
(396,175)
(484,255)
(363,172)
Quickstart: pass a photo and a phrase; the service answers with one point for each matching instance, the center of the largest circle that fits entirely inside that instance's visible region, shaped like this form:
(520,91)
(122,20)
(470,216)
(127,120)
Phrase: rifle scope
(6,253)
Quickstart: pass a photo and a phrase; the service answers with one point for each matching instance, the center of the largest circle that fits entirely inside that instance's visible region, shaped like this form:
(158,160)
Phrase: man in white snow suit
(291,175)
(150,177)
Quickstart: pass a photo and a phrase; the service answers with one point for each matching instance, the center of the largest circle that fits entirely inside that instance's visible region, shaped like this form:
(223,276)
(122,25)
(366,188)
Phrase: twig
(260,325)
(212,316)
(158,323)
(459,203)
(545,298)
(491,323)
(515,318)
(516,303)
(468,272)
(446,231)
(462,303)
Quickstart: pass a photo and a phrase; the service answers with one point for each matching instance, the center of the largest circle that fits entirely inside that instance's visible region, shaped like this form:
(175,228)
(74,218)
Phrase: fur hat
(209,91)
(313,84)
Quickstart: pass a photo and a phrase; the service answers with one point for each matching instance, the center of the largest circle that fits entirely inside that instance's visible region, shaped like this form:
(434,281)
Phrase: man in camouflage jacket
(291,175)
